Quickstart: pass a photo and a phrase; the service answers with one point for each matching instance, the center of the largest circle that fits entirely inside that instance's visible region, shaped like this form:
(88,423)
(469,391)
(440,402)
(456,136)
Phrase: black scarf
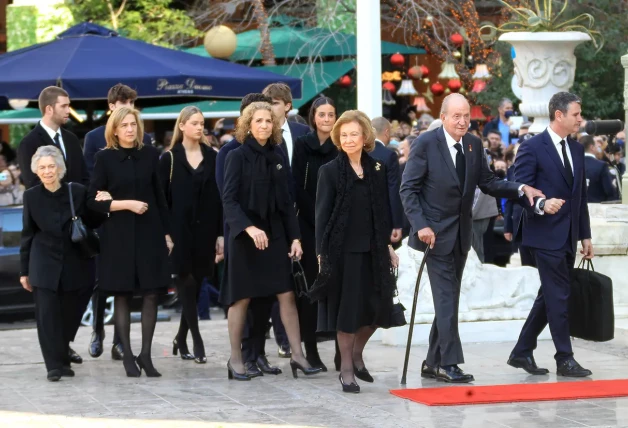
(269,188)
(334,235)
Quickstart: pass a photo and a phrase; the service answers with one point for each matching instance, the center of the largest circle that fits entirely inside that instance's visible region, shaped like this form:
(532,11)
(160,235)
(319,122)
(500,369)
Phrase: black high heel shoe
(352,388)
(150,371)
(199,357)
(308,371)
(363,374)
(234,375)
(131,370)
(184,355)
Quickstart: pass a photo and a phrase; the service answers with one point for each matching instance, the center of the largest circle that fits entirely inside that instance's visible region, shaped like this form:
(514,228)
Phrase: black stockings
(187,289)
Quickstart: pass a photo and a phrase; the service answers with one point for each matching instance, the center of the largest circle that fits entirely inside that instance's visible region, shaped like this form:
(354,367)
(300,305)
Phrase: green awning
(302,42)
(28,115)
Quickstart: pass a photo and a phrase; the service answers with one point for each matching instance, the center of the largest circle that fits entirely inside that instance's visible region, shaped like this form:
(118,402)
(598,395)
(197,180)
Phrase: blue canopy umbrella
(87,59)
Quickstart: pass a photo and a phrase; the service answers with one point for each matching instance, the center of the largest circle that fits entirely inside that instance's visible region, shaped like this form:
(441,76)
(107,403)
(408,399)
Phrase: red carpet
(466,394)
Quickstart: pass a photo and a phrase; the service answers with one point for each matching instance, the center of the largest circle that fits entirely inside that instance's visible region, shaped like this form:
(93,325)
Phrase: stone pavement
(190,395)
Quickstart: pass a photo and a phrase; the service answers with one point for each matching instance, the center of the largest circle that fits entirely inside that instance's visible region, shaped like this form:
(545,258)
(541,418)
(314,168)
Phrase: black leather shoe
(363,374)
(571,368)
(234,375)
(117,353)
(453,374)
(252,370)
(428,371)
(528,364)
(308,371)
(74,357)
(352,388)
(67,372)
(95,346)
(265,367)
(284,351)
(54,375)
(315,361)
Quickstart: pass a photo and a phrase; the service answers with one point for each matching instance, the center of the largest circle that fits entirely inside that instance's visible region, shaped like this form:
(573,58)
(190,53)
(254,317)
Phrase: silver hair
(447,100)
(380,124)
(54,153)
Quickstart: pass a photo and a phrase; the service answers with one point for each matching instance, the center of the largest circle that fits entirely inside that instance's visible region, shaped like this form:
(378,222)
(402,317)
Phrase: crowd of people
(335,196)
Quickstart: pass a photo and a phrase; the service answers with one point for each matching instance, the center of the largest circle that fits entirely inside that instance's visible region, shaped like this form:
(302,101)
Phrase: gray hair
(54,153)
(436,124)
(448,99)
(504,101)
(560,102)
(380,124)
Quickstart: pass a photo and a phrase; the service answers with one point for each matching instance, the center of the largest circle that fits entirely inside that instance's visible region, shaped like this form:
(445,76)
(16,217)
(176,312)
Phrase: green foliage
(153,21)
(500,85)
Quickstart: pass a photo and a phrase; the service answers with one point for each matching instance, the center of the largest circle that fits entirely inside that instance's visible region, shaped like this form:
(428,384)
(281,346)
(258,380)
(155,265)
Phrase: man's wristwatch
(542,205)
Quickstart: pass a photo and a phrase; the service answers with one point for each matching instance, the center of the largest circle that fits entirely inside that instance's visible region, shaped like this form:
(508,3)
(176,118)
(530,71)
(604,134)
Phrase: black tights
(187,289)
(122,316)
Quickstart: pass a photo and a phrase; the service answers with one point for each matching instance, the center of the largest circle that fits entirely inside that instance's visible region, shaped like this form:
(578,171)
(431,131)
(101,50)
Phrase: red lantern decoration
(457,39)
(477,113)
(397,60)
(415,72)
(345,81)
(454,85)
(437,89)
(390,86)
(478,85)
(425,71)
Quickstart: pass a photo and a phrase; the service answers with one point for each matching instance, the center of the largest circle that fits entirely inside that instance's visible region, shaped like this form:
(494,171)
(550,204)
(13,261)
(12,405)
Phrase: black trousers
(254,338)
(551,305)
(84,294)
(55,313)
(445,347)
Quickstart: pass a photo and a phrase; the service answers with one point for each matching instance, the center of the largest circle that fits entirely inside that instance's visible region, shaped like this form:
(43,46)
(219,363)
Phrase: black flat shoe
(54,375)
(74,357)
(265,367)
(252,370)
(428,371)
(117,352)
(185,353)
(284,351)
(96,345)
(363,374)
(147,366)
(308,371)
(234,375)
(352,388)
(453,374)
(571,368)
(315,361)
(67,372)
(528,364)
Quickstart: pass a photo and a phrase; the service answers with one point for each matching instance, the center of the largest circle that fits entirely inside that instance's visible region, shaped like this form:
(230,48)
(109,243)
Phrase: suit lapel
(553,154)
(577,165)
(444,151)
(468,160)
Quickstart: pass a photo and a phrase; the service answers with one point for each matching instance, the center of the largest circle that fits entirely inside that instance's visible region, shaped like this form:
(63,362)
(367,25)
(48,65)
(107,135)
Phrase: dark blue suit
(390,159)
(512,224)
(552,239)
(600,182)
(95,141)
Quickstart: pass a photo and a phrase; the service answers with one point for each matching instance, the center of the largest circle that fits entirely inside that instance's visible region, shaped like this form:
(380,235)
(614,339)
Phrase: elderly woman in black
(311,151)
(135,241)
(51,266)
(264,233)
(356,283)
(188,174)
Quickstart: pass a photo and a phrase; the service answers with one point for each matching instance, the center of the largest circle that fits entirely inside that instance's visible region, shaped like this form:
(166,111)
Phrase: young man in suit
(437,191)
(555,164)
(599,179)
(54,104)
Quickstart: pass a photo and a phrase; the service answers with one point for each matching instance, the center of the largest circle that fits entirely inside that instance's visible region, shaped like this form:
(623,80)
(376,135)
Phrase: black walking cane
(414,303)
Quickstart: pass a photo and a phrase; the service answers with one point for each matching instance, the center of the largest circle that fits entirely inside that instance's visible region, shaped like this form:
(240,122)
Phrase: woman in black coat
(51,266)
(356,284)
(135,241)
(311,151)
(264,233)
(188,175)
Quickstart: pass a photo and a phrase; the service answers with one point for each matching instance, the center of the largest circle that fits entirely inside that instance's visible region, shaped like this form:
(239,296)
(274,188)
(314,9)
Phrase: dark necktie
(460,165)
(56,140)
(567,164)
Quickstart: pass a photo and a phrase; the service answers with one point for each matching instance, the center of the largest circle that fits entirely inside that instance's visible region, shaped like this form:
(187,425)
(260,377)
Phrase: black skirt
(355,303)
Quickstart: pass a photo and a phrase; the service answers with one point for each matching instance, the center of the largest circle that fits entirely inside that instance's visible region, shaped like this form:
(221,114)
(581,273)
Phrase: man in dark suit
(599,179)
(118,96)
(552,228)
(390,159)
(437,191)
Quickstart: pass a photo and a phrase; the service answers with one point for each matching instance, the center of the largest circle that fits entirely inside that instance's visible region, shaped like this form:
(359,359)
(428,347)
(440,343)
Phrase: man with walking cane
(442,172)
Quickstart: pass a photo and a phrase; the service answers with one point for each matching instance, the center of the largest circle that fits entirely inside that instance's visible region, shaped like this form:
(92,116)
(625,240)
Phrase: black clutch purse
(397,313)
(84,238)
(298,277)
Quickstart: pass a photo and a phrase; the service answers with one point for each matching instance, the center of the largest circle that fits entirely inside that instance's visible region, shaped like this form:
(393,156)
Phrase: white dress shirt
(52,134)
(556,139)
(287,138)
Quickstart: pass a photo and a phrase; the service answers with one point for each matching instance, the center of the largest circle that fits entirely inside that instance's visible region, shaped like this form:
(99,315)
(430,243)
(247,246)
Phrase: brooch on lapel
(470,148)
(278,166)
(377,166)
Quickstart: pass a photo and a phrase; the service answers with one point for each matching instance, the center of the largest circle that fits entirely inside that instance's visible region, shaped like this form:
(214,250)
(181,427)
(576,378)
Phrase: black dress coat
(74,162)
(133,256)
(195,210)
(47,254)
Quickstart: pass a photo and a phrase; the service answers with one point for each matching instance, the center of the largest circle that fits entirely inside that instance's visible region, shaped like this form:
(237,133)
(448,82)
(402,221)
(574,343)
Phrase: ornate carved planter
(544,65)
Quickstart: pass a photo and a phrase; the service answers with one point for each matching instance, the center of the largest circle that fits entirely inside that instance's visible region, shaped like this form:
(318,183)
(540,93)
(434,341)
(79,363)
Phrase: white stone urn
(544,65)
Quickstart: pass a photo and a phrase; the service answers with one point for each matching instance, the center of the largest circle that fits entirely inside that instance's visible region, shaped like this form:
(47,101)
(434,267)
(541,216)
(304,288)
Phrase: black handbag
(84,238)
(298,277)
(591,308)
(397,314)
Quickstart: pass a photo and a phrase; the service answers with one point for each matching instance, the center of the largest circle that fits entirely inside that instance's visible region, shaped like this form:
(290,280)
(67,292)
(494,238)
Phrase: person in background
(495,145)
(9,190)
(599,178)
(6,150)
(501,123)
(500,168)
(404,149)
(524,129)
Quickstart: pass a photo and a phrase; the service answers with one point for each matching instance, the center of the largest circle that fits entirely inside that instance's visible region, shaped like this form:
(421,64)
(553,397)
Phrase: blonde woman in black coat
(188,176)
